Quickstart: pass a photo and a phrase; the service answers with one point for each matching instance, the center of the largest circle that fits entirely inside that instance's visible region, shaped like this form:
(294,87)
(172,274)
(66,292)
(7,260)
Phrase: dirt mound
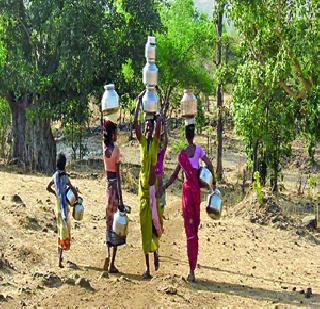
(267,213)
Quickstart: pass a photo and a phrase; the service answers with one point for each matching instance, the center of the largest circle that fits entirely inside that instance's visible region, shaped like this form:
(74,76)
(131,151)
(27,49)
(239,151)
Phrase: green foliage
(65,51)
(257,186)
(182,50)
(200,118)
(181,142)
(278,74)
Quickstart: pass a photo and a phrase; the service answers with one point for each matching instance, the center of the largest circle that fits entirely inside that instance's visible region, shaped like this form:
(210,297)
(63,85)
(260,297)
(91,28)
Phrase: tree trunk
(40,145)
(33,143)
(219,91)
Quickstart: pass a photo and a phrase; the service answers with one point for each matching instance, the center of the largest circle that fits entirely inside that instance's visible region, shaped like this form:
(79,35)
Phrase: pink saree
(190,207)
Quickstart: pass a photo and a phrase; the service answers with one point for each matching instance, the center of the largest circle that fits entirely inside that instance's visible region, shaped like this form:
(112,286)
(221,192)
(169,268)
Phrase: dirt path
(240,264)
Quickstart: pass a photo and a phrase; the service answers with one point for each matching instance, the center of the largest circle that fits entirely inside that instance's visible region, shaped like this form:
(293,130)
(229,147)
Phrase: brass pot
(188,104)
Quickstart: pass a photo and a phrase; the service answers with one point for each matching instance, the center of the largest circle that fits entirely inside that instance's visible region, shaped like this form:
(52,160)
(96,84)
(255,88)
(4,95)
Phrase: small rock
(25,290)
(294,289)
(125,279)
(94,227)
(174,243)
(309,293)
(38,275)
(51,280)
(171,290)
(84,283)
(301,292)
(69,281)
(72,265)
(2,198)
(45,230)
(16,199)
(104,275)
(76,276)
(2,298)
(208,239)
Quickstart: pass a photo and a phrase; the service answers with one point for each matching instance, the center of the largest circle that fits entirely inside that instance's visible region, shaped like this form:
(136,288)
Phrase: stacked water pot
(188,107)
(110,103)
(150,104)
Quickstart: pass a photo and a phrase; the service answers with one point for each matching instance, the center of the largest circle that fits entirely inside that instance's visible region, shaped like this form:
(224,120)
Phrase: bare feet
(113,269)
(156,261)
(191,277)
(106,264)
(147,275)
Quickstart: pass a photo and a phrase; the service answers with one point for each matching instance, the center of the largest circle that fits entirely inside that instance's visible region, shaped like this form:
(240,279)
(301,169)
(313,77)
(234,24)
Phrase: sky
(204,5)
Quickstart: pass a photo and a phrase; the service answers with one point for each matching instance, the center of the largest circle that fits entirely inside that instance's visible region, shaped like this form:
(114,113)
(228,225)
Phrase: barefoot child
(61,181)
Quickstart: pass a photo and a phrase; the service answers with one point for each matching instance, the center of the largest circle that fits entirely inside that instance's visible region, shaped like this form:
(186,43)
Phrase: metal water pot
(150,50)
(150,100)
(110,100)
(188,104)
(71,199)
(120,224)
(78,210)
(150,73)
(189,121)
(205,177)
(214,207)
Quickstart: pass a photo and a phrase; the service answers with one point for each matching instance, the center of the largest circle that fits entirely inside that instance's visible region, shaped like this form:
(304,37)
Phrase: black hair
(61,162)
(109,130)
(189,132)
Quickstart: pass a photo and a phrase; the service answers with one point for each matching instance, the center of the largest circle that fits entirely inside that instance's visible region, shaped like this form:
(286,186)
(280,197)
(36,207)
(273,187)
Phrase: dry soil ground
(241,264)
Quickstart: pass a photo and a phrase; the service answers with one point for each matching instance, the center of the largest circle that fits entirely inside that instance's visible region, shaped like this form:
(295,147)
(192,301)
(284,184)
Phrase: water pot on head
(188,104)
(110,100)
(150,100)
(150,50)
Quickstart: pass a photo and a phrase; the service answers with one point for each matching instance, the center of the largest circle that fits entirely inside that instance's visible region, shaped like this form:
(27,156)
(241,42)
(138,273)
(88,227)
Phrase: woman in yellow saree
(150,214)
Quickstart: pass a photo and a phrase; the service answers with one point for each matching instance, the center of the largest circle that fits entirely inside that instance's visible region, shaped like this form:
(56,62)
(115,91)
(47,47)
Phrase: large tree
(277,88)
(57,53)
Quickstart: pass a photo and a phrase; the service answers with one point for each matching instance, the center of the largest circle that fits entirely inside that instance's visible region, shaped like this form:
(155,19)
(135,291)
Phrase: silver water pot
(205,177)
(71,199)
(78,210)
(150,49)
(214,207)
(150,100)
(110,100)
(120,224)
(189,121)
(188,104)
(150,73)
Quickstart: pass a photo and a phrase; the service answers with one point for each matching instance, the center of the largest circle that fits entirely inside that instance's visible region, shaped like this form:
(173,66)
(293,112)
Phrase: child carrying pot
(61,182)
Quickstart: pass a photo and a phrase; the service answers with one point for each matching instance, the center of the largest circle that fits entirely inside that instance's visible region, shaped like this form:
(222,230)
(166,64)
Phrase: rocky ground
(242,263)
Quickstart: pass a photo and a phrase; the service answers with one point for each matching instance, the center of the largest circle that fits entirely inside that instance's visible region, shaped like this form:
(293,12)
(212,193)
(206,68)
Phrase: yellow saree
(148,158)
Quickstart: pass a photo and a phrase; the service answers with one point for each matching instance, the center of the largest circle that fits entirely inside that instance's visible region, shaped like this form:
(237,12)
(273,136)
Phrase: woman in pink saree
(188,161)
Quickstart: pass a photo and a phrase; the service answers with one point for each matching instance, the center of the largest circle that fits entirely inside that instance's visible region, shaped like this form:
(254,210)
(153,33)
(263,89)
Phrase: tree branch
(294,94)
